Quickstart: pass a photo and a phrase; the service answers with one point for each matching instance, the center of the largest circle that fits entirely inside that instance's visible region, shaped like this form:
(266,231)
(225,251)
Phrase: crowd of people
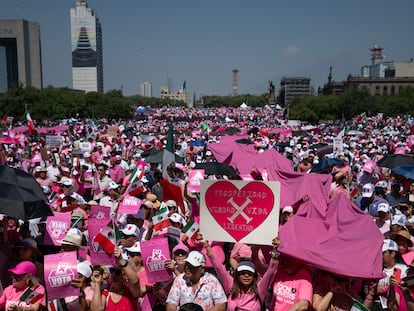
(93,164)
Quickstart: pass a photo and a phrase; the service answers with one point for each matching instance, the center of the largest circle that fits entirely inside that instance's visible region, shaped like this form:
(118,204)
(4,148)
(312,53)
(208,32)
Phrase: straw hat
(405,234)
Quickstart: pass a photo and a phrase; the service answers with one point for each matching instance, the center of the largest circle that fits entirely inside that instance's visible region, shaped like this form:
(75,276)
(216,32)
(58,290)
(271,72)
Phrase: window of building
(385,90)
(377,90)
(392,90)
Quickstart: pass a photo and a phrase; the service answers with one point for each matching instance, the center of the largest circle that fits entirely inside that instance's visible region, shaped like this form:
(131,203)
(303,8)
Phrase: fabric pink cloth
(339,238)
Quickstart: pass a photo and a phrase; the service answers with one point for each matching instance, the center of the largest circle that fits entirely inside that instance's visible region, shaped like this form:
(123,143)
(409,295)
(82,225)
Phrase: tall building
(146,89)
(291,87)
(86,35)
(20,54)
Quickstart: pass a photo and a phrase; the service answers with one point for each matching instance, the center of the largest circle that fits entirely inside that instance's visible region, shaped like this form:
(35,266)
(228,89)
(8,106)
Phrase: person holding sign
(124,291)
(197,286)
(245,290)
(25,293)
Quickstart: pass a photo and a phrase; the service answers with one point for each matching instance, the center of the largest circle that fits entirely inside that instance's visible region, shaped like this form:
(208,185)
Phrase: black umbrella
(244,141)
(216,168)
(326,164)
(157,157)
(21,196)
(393,160)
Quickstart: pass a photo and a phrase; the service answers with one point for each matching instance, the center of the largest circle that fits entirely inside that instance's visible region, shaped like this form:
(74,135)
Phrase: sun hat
(148,204)
(389,245)
(153,198)
(84,268)
(24,267)
(368,190)
(67,182)
(72,237)
(246,265)
(171,203)
(136,248)
(402,233)
(196,259)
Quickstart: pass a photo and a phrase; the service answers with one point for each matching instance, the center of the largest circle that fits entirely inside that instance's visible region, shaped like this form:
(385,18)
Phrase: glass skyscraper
(86,35)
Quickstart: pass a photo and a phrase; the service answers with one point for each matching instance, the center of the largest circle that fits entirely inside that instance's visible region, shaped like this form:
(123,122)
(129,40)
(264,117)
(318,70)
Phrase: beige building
(181,95)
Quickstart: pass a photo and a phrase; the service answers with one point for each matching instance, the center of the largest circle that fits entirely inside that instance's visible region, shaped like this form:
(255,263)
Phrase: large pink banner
(56,228)
(154,254)
(98,255)
(60,270)
(129,205)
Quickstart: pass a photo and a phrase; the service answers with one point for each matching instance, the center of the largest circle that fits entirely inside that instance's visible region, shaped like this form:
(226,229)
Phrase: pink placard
(99,211)
(194,177)
(154,254)
(129,205)
(239,211)
(97,254)
(56,228)
(60,269)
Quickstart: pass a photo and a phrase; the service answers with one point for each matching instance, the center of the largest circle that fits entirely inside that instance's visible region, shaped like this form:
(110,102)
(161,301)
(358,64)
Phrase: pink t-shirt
(289,289)
(408,257)
(11,296)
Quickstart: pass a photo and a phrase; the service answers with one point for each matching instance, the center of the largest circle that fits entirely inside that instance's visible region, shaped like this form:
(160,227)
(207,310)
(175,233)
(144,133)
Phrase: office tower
(146,89)
(20,54)
(86,35)
(235,82)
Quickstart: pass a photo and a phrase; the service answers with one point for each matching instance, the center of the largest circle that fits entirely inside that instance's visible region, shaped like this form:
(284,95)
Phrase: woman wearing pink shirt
(23,281)
(246,291)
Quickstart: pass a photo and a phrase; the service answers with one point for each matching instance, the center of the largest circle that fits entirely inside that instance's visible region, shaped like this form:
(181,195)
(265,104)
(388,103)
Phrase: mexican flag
(108,237)
(171,185)
(56,158)
(30,296)
(191,228)
(161,220)
(136,188)
(136,174)
(30,124)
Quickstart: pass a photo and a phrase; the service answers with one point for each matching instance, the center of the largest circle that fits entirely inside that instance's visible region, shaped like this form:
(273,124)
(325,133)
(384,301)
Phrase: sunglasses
(180,253)
(18,277)
(245,272)
(190,268)
(133,254)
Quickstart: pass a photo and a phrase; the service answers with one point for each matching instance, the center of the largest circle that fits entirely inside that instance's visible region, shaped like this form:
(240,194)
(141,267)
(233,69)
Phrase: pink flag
(56,228)
(99,211)
(154,254)
(129,205)
(194,178)
(98,255)
(97,188)
(60,269)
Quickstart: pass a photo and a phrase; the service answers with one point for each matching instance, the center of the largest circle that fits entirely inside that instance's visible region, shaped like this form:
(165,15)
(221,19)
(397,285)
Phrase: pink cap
(24,267)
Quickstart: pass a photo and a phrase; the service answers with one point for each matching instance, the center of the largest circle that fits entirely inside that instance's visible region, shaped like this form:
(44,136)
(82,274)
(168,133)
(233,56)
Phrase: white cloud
(291,49)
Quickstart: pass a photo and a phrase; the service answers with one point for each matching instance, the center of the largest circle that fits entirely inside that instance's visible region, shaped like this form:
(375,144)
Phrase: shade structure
(393,160)
(325,164)
(404,170)
(21,196)
(216,168)
(156,157)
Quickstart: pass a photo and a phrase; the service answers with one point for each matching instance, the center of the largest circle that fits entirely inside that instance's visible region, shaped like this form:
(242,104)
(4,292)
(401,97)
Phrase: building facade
(291,87)
(86,38)
(20,54)
(146,89)
(181,95)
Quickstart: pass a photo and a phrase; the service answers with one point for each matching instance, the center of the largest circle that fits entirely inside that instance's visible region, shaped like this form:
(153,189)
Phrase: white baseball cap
(383,207)
(136,248)
(84,268)
(196,259)
(389,245)
(130,229)
(368,190)
(113,185)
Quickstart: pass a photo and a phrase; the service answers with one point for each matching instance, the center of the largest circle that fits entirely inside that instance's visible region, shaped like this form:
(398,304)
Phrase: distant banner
(154,254)
(56,228)
(129,205)
(53,141)
(240,211)
(60,269)
(194,177)
(98,255)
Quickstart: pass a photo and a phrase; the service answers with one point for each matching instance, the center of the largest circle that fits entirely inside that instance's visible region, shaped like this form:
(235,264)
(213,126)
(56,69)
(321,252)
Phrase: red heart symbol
(239,211)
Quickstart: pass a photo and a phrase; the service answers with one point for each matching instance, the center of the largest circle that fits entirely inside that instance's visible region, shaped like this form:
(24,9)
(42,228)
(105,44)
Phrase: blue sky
(203,41)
